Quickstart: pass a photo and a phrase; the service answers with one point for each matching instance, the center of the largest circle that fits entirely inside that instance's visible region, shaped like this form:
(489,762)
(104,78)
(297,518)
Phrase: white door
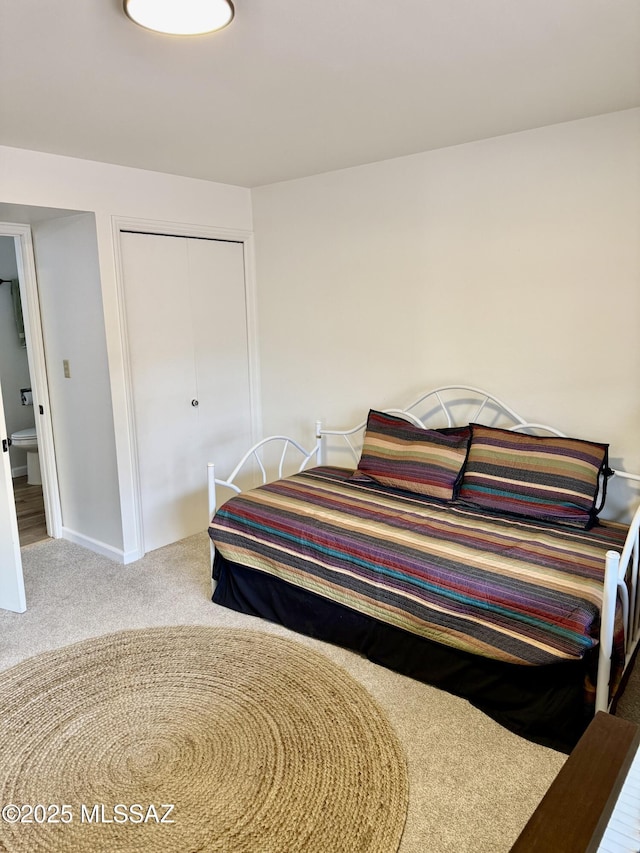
(188,348)
(11,582)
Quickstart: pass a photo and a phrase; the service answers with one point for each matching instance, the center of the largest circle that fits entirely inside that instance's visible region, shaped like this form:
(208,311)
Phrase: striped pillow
(399,454)
(546,477)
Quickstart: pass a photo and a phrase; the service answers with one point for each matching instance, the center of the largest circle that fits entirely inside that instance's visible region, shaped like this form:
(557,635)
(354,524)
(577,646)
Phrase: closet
(186,326)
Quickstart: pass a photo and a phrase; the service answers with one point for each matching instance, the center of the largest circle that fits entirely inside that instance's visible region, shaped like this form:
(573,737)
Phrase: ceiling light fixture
(180,17)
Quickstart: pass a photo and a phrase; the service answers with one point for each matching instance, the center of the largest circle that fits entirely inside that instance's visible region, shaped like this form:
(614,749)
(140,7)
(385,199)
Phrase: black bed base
(543,704)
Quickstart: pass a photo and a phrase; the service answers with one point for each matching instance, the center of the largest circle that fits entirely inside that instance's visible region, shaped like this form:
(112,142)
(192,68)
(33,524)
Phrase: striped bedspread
(510,589)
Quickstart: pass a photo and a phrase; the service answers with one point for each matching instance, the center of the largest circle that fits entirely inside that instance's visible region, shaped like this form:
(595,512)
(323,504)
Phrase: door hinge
(5,445)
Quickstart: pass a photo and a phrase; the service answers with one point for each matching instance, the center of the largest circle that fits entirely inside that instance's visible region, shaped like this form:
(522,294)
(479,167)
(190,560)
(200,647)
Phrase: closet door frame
(131,491)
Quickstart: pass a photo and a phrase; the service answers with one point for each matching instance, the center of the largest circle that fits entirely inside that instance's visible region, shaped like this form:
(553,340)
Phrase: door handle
(195,403)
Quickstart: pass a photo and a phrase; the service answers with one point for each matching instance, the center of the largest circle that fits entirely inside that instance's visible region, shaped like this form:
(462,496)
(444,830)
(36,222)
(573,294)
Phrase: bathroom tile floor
(32,525)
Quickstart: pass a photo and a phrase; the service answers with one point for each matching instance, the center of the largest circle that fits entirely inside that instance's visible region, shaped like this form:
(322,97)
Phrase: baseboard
(18,471)
(116,554)
(131,557)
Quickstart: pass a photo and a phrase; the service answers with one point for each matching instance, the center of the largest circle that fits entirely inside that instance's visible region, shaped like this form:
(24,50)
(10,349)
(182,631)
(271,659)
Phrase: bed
(451,540)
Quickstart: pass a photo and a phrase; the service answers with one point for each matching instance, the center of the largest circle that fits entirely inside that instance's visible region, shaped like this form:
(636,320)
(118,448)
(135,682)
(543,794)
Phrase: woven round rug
(194,738)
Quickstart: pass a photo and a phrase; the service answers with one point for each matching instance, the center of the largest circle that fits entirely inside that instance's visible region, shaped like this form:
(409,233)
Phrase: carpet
(195,738)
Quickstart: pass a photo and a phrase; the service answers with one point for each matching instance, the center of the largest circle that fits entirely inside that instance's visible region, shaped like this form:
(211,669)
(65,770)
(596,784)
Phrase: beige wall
(81,414)
(511,263)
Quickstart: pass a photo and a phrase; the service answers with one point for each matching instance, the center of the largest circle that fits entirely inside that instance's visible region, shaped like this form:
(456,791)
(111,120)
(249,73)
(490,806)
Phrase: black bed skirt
(543,704)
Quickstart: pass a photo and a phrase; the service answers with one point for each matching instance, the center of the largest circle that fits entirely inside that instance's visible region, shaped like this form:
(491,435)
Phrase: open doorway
(71,389)
(33,407)
(18,403)
(39,456)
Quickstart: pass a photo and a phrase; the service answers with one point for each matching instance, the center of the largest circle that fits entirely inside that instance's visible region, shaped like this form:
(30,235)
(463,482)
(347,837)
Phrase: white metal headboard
(437,408)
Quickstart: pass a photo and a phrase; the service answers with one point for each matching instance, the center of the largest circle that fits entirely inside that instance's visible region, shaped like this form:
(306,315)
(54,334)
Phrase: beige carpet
(472,784)
(194,738)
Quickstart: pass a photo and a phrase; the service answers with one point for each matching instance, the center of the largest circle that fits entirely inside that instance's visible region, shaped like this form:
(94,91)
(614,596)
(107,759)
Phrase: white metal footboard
(289,448)
(620,581)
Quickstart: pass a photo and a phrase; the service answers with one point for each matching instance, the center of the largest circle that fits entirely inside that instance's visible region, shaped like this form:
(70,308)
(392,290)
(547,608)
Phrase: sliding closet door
(187,332)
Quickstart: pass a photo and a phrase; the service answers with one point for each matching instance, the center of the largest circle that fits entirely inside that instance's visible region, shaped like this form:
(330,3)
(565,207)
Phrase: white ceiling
(300,87)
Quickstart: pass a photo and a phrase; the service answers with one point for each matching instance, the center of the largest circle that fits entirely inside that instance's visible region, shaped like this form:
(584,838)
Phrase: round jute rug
(194,738)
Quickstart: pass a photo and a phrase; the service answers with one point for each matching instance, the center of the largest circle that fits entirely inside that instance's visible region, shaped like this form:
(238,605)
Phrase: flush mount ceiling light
(180,17)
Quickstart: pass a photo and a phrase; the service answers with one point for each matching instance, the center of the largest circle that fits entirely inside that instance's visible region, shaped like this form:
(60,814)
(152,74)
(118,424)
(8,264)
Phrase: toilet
(27,439)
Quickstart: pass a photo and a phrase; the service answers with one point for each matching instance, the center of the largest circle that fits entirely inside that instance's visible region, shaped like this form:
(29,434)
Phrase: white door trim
(37,370)
(133,536)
